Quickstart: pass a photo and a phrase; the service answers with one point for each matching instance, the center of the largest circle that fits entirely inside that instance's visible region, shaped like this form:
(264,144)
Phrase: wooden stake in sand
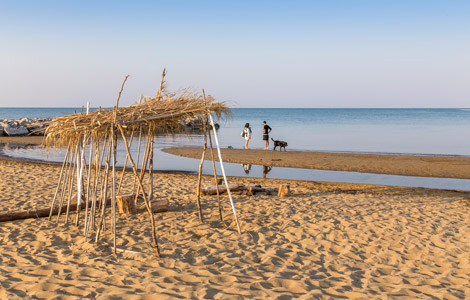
(199,176)
(147,204)
(225,177)
(60,179)
(284,190)
(96,173)
(219,204)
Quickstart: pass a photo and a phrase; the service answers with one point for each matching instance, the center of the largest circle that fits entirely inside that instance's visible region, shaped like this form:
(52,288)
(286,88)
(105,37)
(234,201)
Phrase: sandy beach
(324,241)
(409,165)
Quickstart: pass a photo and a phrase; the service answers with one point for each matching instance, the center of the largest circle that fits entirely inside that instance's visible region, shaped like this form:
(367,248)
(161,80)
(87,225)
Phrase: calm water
(37,112)
(415,131)
(411,131)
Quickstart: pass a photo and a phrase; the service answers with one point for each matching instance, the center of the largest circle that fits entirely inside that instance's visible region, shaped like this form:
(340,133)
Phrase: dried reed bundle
(165,113)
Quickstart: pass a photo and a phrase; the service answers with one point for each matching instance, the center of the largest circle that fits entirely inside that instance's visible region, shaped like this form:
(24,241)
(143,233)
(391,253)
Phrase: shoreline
(457,167)
(437,166)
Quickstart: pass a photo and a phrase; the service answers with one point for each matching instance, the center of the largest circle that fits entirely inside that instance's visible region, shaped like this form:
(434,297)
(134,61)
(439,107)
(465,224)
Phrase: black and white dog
(280,144)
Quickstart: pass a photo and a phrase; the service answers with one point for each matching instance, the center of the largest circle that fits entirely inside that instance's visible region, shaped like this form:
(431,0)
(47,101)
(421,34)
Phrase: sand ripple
(320,243)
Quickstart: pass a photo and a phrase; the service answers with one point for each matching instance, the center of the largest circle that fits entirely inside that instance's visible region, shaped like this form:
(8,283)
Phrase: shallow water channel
(168,162)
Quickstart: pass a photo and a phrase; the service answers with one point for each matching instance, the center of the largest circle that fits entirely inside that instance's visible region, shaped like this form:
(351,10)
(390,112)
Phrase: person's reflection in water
(266,170)
(247,168)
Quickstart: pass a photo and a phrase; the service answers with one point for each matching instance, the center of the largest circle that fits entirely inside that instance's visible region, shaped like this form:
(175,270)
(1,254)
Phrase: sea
(415,131)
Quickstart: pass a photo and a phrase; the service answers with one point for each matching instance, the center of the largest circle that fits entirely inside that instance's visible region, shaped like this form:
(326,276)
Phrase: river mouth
(165,162)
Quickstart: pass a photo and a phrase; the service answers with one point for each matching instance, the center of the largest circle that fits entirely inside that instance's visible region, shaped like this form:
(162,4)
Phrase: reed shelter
(89,176)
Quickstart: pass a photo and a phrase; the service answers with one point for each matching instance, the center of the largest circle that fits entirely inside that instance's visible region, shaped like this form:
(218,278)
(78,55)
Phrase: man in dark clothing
(266,131)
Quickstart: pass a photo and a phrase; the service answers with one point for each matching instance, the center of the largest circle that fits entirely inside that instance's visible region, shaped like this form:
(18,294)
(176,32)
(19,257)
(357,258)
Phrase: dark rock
(15,131)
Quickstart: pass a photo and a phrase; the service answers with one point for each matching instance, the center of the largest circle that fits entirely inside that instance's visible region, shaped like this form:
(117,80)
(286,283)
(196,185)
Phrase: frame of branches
(89,174)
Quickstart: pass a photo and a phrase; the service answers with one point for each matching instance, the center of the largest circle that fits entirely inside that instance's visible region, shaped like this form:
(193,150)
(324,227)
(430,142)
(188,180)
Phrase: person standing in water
(266,131)
(246,133)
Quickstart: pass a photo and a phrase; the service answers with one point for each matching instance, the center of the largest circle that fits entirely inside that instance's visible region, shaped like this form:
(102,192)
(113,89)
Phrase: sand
(324,241)
(410,165)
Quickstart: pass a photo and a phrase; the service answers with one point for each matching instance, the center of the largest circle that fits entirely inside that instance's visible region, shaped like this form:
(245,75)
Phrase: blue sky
(252,53)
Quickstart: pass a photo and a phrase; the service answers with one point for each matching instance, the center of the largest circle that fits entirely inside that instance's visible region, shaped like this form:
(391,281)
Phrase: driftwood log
(157,206)
(251,190)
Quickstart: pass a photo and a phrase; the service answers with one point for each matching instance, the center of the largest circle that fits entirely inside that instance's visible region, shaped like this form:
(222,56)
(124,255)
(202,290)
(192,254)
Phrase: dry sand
(325,241)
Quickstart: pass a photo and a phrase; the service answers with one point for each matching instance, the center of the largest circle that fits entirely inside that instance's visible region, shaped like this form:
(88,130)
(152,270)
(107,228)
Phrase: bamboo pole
(147,203)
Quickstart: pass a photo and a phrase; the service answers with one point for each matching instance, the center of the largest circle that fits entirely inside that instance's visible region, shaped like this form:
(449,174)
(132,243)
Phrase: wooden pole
(199,177)
(66,186)
(147,204)
(60,179)
(151,137)
(90,166)
(145,160)
(138,157)
(98,161)
(198,189)
(124,167)
(219,204)
(225,177)
(103,207)
(80,178)
(113,200)
(101,177)
(71,187)
(119,96)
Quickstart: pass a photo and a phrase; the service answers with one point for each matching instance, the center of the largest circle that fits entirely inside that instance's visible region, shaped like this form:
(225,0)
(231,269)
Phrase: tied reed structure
(88,174)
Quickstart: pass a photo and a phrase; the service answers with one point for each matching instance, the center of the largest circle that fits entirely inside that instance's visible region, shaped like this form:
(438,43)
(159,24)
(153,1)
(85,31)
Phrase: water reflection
(246,168)
(266,170)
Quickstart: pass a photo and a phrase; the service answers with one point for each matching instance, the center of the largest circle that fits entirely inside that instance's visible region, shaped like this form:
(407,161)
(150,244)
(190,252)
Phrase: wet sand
(33,140)
(324,241)
(410,165)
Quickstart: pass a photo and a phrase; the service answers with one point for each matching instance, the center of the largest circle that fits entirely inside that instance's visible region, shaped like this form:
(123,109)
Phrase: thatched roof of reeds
(165,113)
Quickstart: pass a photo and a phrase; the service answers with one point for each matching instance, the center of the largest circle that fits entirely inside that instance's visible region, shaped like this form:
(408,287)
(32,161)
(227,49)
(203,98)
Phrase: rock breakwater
(23,126)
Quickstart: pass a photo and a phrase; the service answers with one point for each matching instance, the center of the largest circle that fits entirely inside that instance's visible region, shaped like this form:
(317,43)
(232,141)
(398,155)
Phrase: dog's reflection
(247,168)
(266,170)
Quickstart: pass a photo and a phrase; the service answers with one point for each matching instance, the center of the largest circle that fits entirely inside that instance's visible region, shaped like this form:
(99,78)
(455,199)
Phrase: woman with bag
(246,133)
